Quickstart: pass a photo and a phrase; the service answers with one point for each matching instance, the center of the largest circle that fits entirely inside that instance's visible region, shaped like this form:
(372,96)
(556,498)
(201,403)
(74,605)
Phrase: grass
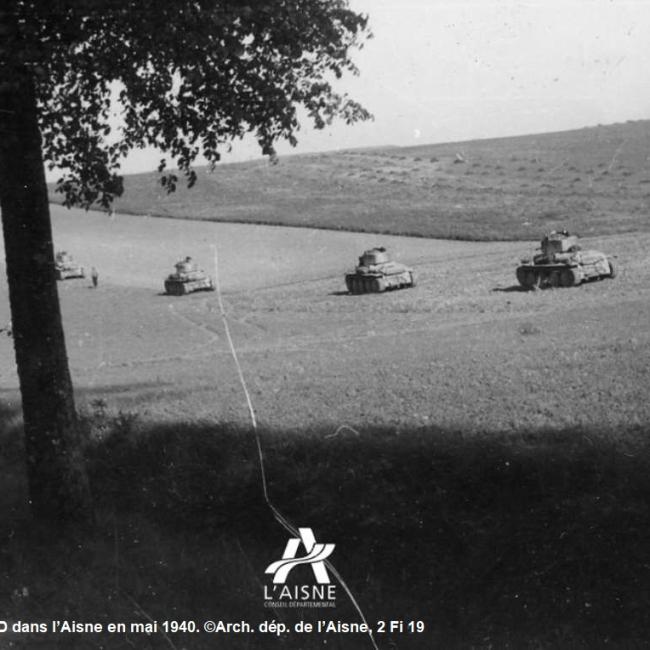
(349,190)
(535,540)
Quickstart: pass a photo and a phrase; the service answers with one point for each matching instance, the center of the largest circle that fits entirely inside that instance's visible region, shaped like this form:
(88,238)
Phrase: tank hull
(586,265)
(177,287)
(378,282)
(66,273)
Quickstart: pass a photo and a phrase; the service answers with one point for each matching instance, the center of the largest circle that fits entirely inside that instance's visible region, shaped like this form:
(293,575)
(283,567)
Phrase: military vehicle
(376,273)
(563,263)
(187,279)
(66,267)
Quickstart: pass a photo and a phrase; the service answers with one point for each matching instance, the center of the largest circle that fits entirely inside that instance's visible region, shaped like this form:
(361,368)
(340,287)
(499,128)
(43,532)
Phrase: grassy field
(593,181)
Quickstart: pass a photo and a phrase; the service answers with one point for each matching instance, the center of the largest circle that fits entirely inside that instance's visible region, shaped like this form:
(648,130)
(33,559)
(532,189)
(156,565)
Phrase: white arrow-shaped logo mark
(316,553)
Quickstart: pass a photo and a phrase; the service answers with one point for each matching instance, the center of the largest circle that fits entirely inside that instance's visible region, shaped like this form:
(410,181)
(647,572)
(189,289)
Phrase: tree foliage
(190,75)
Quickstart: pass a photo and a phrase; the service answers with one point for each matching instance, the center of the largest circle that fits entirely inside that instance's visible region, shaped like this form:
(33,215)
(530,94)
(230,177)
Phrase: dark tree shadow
(468,528)
(514,536)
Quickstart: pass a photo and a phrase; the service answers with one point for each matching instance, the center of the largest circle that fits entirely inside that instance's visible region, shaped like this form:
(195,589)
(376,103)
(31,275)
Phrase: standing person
(94,276)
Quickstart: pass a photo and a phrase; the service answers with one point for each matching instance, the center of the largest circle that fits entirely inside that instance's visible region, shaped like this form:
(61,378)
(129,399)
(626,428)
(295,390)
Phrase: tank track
(532,277)
(176,288)
(360,284)
(66,274)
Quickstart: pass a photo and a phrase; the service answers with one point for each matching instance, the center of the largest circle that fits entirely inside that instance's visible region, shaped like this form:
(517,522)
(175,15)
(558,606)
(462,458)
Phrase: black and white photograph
(325,324)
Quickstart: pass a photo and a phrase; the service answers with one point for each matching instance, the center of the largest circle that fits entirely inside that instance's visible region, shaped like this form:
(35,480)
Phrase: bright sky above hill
(448,70)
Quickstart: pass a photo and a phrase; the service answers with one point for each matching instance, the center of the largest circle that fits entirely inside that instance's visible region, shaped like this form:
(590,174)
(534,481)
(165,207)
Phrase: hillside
(594,181)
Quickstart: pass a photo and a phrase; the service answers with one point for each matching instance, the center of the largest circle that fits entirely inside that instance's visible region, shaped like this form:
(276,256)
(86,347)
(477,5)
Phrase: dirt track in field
(464,350)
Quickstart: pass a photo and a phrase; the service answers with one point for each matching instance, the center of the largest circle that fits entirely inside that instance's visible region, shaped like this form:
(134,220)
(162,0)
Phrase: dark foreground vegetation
(536,540)
(593,181)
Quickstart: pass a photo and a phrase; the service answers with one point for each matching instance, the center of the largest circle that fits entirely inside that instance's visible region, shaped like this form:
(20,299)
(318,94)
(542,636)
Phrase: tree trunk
(58,485)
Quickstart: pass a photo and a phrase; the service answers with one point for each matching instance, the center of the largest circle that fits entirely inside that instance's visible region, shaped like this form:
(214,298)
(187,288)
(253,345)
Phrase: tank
(187,279)
(66,267)
(562,263)
(376,273)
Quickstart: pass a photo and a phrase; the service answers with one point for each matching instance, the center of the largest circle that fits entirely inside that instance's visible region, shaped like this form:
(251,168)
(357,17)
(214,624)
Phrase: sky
(443,71)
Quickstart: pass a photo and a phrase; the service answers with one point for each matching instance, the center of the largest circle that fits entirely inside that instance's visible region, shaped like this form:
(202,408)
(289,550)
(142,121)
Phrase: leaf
(189,77)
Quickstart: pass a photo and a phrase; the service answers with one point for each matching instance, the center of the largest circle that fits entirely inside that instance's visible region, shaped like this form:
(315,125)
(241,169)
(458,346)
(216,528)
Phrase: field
(593,181)
(464,350)
(477,453)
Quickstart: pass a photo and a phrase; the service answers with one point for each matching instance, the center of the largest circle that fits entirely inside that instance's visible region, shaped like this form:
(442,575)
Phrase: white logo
(316,553)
